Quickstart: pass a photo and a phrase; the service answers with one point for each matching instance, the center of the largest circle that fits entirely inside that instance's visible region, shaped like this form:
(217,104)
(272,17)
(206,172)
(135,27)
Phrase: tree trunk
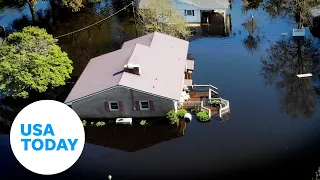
(33,11)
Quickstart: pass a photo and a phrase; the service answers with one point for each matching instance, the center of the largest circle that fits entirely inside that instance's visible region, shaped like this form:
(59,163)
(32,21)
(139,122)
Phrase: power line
(67,34)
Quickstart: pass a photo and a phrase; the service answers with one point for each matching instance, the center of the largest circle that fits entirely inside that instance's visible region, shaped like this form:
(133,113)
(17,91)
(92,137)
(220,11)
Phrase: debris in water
(284,34)
(304,75)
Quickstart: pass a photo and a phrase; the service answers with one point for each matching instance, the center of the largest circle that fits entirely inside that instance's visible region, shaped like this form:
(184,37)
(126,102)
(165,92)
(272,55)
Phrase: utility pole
(134,16)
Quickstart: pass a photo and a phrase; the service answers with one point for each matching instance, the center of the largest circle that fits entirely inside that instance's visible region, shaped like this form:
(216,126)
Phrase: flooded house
(147,77)
(198,11)
(142,79)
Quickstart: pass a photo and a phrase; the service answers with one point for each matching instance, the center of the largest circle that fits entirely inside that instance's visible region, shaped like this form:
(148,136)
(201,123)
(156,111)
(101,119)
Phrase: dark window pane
(114,106)
(145,105)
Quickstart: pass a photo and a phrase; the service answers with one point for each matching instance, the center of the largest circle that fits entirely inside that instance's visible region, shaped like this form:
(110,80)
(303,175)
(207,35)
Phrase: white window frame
(192,13)
(144,109)
(116,103)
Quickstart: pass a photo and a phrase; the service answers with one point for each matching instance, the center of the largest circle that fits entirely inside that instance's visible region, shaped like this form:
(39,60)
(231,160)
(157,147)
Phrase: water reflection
(286,59)
(134,137)
(278,8)
(253,40)
(43,21)
(4,122)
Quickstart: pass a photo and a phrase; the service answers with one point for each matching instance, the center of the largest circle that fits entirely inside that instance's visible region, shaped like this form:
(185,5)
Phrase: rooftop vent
(132,68)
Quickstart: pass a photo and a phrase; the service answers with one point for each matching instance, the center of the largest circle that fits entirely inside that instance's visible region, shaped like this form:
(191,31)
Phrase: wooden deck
(197,97)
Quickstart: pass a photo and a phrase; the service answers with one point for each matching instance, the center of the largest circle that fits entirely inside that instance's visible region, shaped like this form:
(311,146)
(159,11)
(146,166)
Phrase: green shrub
(100,123)
(84,122)
(203,116)
(196,109)
(181,113)
(143,122)
(172,116)
(215,101)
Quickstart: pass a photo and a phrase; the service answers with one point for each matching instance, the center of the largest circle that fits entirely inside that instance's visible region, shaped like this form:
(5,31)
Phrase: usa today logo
(47,137)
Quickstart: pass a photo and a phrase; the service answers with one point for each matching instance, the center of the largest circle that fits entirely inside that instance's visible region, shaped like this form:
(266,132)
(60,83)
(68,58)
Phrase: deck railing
(225,106)
(207,110)
(192,104)
(205,88)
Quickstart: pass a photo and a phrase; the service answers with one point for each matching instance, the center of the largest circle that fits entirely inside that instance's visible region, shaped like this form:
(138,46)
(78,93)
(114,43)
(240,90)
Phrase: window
(189,12)
(114,106)
(144,105)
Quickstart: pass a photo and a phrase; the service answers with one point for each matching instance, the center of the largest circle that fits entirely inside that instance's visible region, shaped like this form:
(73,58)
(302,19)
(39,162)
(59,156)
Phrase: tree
(32,60)
(286,59)
(74,5)
(162,16)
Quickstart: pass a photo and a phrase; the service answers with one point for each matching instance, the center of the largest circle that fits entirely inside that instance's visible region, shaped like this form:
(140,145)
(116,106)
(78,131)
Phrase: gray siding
(94,106)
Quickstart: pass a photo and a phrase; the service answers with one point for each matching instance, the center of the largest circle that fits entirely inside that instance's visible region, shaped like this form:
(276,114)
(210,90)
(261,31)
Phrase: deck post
(175,106)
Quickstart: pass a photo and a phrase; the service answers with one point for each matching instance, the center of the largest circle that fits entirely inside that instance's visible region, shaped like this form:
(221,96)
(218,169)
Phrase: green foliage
(143,122)
(84,122)
(181,113)
(215,101)
(203,116)
(100,123)
(76,5)
(172,116)
(32,60)
(162,16)
(196,109)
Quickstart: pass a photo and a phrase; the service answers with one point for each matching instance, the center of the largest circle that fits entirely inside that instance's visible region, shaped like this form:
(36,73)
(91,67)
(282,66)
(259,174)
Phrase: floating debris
(284,34)
(304,75)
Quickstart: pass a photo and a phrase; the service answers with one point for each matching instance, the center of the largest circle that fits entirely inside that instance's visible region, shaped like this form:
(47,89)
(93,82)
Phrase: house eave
(151,94)
(118,86)
(93,94)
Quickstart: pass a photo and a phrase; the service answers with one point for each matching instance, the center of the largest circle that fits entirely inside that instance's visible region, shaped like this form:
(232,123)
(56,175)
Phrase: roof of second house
(209,4)
(202,4)
(162,60)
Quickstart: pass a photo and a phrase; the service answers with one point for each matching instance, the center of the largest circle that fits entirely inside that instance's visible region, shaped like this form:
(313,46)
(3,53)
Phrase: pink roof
(162,60)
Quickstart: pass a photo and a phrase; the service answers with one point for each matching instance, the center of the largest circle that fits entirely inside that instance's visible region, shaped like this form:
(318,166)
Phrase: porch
(206,97)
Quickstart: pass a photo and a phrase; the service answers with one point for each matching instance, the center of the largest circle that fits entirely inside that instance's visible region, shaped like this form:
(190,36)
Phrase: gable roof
(162,60)
(209,4)
(201,4)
